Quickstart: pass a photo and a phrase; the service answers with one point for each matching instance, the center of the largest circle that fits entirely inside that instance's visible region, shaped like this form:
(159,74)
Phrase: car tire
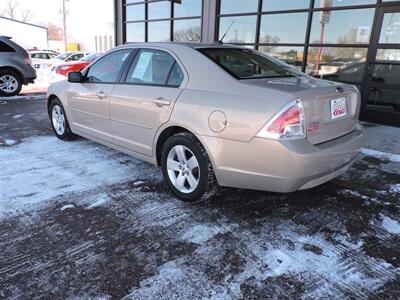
(10,83)
(59,121)
(189,178)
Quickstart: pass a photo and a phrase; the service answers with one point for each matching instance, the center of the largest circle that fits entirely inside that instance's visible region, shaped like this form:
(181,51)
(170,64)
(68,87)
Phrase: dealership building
(351,41)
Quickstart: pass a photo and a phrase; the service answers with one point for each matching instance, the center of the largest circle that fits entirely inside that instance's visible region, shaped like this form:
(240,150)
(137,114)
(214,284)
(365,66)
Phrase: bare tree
(10,10)
(26,15)
(192,34)
(13,11)
(55,32)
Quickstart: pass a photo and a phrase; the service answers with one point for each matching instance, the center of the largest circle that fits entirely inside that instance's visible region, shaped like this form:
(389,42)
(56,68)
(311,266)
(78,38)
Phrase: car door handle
(102,95)
(160,101)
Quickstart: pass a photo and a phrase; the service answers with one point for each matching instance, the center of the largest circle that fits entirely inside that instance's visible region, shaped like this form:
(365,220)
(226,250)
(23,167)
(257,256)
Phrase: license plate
(338,108)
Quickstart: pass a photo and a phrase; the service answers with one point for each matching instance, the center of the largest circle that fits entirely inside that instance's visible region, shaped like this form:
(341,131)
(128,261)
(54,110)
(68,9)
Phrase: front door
(89,104)
(381,84)
(144,101)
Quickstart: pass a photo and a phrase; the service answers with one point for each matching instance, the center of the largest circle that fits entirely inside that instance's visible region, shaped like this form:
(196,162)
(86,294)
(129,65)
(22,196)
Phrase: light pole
(64,13)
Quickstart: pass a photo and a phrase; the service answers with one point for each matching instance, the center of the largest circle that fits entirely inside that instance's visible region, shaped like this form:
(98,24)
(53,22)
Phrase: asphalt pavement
(79,220)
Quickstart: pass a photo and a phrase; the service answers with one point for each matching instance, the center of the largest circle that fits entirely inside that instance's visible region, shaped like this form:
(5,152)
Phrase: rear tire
(10,83)
(59,121)
(186,167)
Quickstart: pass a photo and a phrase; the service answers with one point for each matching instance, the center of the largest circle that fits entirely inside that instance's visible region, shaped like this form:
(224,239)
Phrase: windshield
(62,56)
(248,64)
(89,58)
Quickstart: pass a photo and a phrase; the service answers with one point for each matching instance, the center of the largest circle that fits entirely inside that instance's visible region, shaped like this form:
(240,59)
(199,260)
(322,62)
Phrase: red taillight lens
(287,123)
(27,60)
(288,118)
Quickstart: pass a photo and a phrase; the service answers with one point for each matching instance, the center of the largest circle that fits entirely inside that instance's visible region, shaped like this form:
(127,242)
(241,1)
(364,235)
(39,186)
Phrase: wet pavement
(79,220)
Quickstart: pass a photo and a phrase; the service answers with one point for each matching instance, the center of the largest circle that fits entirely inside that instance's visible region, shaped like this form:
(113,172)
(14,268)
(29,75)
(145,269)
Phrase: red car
(75,66)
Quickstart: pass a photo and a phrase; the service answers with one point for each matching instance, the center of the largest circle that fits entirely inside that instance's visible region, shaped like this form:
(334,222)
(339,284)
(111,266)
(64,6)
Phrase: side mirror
(75,77)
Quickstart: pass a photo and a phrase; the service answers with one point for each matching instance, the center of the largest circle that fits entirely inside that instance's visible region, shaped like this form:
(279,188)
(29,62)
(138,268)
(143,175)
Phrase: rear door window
(154,67)
(6,48)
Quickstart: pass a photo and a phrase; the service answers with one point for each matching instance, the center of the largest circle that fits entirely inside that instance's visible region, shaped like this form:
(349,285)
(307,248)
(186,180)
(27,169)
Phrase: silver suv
(15,67)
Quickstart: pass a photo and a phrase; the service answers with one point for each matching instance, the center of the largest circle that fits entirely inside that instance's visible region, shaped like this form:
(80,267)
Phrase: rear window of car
(6,48)
(248,64)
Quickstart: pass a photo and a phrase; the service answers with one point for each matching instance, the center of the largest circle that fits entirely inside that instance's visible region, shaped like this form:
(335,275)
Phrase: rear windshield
(248,64)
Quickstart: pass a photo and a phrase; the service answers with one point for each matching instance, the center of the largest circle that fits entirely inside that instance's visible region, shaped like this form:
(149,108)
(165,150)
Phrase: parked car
(59,59)
(42,54)
(212,114)
(15,67)
(76,66)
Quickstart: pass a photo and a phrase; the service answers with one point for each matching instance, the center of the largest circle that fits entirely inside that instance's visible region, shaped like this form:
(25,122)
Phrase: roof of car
(188,44)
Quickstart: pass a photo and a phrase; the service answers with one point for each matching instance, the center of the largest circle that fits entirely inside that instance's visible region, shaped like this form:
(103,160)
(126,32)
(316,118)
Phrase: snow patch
(381,155)
(201,233)
(390,225)
(101,200)
(42,168)
(67,206)
(395,188)
(10,142)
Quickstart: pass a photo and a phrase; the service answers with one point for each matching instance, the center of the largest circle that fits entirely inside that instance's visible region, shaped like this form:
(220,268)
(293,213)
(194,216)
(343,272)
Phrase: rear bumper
(29,74)
(282,166)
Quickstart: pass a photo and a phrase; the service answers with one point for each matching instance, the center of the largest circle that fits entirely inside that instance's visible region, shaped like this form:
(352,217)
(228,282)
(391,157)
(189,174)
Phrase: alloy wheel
(8,84)
(58,119)
(183,169)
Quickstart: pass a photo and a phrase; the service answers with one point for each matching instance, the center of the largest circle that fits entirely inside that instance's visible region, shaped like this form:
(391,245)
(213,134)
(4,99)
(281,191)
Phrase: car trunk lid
(320,100)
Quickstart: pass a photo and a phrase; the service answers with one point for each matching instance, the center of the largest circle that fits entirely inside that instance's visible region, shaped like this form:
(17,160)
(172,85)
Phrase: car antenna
(226,32)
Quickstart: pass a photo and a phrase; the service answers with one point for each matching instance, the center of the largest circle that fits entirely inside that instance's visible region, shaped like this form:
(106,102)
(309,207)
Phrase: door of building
(381,83)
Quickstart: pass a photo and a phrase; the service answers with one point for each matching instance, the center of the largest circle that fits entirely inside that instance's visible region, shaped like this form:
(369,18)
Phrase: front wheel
(186,167)
(59,121)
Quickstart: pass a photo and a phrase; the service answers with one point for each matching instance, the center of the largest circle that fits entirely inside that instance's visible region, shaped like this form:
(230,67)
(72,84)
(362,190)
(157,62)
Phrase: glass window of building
(187,30)
(187,8)
(390,32)
(135,32)
(293,56)
(135,12)
(342,26)
(158,31)
(159,10)
(283,28)
(238,6)
(338,64)
(336,3)
(274,5)
(243,29)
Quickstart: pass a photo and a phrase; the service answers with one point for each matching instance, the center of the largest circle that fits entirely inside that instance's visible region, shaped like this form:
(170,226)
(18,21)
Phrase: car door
(144,101)
(89,104)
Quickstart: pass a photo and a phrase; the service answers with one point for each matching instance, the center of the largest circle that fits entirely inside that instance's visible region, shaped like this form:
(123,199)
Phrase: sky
(85,19)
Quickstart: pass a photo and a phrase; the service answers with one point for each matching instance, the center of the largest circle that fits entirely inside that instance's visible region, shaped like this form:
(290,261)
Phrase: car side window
(152,67)
(176,76)
(107,68)
(5,48)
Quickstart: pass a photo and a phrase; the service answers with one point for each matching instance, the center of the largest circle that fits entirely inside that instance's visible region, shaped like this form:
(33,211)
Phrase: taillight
(288,123)
(27,60)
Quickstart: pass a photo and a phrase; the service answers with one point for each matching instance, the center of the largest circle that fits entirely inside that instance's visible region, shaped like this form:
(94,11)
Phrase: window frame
(171,19)
(136,52)
(310,10)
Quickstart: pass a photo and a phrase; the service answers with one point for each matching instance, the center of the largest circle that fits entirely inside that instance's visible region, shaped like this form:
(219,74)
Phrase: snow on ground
(43,168)
(390,225)
(381,155)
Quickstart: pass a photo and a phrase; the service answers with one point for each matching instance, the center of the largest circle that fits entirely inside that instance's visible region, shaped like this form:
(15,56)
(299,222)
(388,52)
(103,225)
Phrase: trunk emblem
(339,90)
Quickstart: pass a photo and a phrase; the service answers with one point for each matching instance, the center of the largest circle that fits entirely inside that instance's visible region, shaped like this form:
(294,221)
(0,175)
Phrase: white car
(61,58)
